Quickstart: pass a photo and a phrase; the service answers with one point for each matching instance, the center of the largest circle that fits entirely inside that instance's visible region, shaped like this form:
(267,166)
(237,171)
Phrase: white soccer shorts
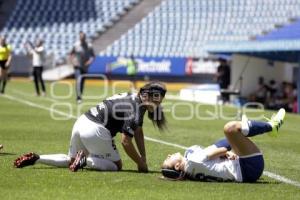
(94,139)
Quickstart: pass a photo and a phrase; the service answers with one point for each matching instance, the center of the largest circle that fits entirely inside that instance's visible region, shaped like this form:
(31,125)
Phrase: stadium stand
(182,28)
(58,22)
(289,32)
(175,28)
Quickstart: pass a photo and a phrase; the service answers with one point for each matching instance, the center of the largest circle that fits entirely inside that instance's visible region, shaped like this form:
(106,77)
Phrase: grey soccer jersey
(120,113)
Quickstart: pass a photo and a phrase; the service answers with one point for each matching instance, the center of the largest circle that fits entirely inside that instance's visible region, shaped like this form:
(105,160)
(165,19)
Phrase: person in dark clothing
(223,78)
(82,56)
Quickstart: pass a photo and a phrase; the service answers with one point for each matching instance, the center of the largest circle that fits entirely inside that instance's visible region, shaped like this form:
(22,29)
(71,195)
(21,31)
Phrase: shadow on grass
(259,182)
(126,171)
(267,182)
(135,171)
(44,167)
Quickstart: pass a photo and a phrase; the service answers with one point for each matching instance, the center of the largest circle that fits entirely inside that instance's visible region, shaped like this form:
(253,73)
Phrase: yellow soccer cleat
(276,122)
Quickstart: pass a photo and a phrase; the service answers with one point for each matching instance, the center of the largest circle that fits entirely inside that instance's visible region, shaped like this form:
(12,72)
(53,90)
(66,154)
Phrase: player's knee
(232,127)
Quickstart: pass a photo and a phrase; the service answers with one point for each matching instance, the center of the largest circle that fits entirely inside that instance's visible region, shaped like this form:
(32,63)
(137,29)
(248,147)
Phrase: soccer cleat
(1,146)
(26,160)
(79,162)
(276,122)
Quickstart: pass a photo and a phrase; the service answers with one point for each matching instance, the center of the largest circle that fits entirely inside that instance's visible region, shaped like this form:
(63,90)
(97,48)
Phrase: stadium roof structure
(279,50)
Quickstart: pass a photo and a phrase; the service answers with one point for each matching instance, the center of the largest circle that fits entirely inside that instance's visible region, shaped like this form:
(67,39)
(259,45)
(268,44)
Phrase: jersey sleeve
(196,154)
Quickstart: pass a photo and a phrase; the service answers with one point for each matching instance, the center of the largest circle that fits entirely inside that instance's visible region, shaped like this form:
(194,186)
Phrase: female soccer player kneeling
(92,142)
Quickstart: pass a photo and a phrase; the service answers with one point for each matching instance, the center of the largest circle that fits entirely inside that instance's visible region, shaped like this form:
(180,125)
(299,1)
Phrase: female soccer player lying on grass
(235,158)
(92,141)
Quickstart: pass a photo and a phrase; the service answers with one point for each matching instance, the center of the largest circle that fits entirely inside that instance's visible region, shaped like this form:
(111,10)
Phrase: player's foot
(276,122)
(1,146)
(26,160)
(79,162)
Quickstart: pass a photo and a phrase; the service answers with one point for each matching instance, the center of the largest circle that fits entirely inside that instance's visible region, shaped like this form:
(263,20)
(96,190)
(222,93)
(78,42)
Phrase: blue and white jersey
(200,168)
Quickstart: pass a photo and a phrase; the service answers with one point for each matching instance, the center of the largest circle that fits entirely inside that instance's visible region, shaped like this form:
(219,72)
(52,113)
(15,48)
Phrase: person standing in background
(132,71)
(223,78)
(5,61)
(38,62)
(82,55)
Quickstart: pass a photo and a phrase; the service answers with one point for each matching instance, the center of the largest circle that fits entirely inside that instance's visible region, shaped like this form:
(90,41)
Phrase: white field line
(165,143)
(29,103)
(281,178)
(31,95)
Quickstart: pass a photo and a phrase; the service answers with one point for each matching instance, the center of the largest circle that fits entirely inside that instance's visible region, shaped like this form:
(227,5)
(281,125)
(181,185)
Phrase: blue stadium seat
(59,22)
(185,27)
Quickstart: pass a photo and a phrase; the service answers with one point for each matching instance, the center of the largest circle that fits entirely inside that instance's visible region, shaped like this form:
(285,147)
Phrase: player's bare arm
(132,153)
(139,139)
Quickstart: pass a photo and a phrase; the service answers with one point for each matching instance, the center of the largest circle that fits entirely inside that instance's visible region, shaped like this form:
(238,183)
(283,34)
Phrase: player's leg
(4,80)
(35,80)
(41,80)
(1,68)
(237,132)
(82,84)
(77,74)
(101,164)
(77,150)
(76,144)
(251,163)
(103,154)
(57,160)
(240,144)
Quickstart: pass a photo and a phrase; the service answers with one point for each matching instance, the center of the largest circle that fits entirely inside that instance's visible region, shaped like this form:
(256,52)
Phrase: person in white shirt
(235,158)
(38,60)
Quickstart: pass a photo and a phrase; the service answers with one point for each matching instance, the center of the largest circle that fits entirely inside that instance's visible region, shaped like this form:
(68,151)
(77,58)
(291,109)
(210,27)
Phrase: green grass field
(26,125)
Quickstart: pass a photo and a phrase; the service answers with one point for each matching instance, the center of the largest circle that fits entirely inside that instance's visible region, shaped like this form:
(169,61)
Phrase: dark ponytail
(158,118)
